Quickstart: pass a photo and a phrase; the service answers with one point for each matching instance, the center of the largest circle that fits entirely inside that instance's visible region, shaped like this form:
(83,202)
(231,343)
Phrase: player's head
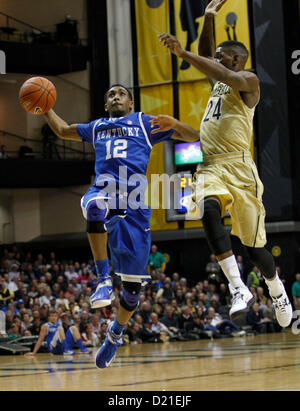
(118,101)
(232,54)
(53,316)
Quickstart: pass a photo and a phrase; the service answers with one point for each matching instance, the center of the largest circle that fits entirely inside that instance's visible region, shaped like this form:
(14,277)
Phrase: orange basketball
(37,95)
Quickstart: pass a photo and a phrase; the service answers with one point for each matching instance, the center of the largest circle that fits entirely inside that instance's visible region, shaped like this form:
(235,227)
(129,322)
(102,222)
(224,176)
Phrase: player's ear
(131,104)
(105,107)
(236,60)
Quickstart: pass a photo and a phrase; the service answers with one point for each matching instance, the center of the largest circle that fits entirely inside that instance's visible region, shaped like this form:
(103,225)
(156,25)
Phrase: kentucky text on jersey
(114,132)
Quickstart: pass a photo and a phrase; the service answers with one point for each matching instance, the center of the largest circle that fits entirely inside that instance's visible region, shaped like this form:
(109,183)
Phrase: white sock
(231,271)
(275,286)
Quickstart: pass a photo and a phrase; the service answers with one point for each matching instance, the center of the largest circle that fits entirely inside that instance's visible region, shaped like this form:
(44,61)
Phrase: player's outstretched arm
(61,128)
(182,131)
(43,332)
(242,80)
(206,45)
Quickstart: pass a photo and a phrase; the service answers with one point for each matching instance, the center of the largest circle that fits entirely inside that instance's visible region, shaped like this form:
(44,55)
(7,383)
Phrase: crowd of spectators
(171,308)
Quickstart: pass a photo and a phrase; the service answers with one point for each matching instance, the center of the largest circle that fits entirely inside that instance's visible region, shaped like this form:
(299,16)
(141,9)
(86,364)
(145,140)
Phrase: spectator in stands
(14,332)
(148,335)
(13,285)
(254,278)
(3,153)
(46,297)
(159,327)
(14,272)
(168,293)
(35,329)
(89,338)
(145,311)
(295,292)
(71,273)
(213,268)
(26,323)
(224,295)
(224,326)
(156,259)
(170,320)
(258,322)
(175,279)
(269,312)
(261,299)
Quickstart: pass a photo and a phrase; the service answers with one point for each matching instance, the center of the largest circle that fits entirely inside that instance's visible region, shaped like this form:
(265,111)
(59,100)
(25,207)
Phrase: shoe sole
(237,314)
(101,303)
(288,323)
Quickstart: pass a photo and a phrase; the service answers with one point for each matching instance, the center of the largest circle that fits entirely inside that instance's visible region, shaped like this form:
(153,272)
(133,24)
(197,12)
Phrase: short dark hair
(236,46)
(118,85)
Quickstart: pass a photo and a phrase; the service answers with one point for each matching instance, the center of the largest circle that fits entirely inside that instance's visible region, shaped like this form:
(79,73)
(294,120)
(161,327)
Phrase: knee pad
(217,237)
(263,260)
(130,295)
(96,210)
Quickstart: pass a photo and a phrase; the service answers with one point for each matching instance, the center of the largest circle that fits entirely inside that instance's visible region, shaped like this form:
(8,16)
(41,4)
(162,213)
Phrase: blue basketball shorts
(129,237)
(55,346)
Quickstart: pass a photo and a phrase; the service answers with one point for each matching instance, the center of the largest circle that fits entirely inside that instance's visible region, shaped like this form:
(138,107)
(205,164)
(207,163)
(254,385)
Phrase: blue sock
(80,344)
(65,346)
(102,269)
(117,328)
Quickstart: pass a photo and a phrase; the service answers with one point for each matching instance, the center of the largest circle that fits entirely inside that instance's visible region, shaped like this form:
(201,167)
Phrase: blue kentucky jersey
(52,329)
(122,150)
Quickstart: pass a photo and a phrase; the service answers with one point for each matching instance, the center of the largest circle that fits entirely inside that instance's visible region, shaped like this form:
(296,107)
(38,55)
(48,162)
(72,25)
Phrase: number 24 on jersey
(215,110)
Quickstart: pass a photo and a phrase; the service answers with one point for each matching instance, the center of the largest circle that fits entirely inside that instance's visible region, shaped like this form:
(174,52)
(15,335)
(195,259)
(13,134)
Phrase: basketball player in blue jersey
(114,206)
(231,180)
(57,341)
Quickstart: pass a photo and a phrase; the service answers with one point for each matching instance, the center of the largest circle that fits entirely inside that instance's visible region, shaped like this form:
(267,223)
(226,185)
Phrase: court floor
(262,362)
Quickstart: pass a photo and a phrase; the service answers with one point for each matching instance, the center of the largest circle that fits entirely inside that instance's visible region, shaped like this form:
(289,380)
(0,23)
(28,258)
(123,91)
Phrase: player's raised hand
(171,43)
(213,7)
(163,122)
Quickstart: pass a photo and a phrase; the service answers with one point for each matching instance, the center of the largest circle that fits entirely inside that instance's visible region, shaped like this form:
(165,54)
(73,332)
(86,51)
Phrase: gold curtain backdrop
(154,61)
(155,69)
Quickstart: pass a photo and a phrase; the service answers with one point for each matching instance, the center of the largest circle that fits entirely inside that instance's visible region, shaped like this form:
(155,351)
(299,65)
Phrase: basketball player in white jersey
(231,180)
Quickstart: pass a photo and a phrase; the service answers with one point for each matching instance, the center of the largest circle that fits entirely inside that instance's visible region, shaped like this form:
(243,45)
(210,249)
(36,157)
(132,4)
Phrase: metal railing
(49,149)
(11,33)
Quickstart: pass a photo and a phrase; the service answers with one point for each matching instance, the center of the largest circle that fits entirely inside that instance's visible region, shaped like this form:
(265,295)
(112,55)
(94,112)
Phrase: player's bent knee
(217,237)
(130,295)
(96,210)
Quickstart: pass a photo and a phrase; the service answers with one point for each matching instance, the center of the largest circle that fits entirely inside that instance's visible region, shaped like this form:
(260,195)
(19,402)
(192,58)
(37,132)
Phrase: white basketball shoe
(283,308)
(242,300)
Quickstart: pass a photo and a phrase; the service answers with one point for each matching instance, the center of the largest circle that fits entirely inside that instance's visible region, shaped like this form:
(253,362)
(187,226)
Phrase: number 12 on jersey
(216,110)
(119,149)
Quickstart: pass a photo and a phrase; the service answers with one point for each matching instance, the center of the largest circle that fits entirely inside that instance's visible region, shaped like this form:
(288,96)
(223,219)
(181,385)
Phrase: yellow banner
(232,23)
(189,18)
(193,98)
(154,60)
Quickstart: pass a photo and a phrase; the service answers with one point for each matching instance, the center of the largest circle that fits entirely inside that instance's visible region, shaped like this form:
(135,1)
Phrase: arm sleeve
(86,131)
(159,137)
